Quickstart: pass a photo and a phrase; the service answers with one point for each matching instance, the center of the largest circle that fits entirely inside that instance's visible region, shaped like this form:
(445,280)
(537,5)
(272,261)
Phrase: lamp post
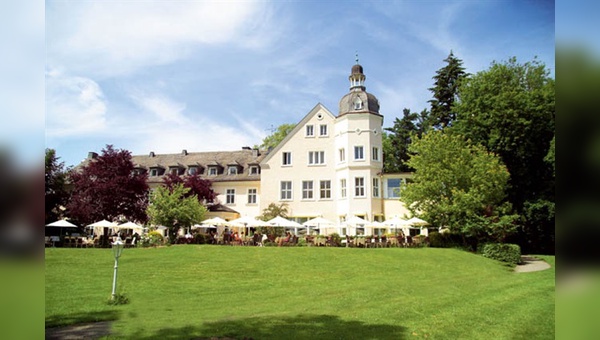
(117,248)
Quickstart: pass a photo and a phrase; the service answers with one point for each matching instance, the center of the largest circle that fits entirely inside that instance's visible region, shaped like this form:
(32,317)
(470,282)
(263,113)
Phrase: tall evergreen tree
(444,91)
(397,141)
(56,186)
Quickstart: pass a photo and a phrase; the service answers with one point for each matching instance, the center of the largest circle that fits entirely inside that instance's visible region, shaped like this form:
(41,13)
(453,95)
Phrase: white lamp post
(117,248)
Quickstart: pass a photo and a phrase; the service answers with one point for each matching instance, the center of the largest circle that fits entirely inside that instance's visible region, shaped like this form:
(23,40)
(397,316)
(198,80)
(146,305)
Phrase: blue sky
(204,76)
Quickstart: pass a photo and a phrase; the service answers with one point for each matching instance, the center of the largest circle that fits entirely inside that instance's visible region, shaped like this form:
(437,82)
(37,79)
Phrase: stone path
(531,264)
(93,330)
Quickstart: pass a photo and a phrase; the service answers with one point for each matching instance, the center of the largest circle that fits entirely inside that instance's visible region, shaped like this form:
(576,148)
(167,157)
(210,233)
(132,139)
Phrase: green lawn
(192,291)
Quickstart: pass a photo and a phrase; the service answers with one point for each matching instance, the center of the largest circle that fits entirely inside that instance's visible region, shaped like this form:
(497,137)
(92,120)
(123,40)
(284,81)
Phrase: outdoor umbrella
(247,221)
(417,222)
(99,226)
(317,222)
(129,225)
(214,221)
(284,222)
(396,223)
(61,224)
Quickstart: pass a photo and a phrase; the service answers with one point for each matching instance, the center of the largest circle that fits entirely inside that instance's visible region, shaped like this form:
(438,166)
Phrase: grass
(192,291)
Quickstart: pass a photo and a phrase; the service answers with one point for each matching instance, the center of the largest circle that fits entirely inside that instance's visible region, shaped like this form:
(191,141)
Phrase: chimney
(255,153)
(92,155)
(245,148)
(152,154)
(184,152)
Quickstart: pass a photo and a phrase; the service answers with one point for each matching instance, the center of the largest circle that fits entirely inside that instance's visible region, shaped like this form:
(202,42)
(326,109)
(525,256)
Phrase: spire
(357,77)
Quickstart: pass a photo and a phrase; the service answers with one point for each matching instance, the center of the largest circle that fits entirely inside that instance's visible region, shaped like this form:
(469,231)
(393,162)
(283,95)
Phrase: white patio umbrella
(284,222)
(417,222)
(61,224)
(246,222)
(129,225)
(396,223)
(214,221)
(98,226)
(317,222)
(354,222)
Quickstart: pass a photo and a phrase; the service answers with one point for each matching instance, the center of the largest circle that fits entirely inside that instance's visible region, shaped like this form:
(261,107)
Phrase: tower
(358,145)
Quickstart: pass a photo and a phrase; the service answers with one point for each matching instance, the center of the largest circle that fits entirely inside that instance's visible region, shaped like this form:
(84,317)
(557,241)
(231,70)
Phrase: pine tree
(444,91)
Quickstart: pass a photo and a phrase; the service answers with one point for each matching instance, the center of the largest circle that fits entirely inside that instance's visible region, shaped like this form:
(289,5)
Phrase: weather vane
(357,57)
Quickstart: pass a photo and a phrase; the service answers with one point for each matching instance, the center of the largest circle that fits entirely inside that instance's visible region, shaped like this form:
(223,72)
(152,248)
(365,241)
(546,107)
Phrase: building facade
(329,166)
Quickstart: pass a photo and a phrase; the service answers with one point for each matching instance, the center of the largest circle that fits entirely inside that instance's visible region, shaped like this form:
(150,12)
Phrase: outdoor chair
(310,240)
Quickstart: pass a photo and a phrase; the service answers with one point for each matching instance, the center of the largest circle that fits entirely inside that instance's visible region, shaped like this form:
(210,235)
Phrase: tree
(56,193)
(108,188)
(447,80)
(201,188)
(272,140)
(172,209)
(459,185)
(510,109)
(397,141)
(274,210)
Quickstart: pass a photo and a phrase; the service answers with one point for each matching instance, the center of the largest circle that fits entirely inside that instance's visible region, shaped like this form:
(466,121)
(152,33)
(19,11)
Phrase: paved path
(531,264)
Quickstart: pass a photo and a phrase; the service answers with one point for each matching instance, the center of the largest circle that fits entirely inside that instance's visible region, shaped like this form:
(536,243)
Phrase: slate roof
(222,160)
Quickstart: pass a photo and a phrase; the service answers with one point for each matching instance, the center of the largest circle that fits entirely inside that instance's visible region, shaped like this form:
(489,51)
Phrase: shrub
(120,299)
(505,252)
(155,238)
(436,240)
(201,238)
(336,239)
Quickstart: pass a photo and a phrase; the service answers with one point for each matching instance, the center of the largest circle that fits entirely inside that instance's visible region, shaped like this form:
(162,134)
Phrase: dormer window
(192,170)
(254,170)
(357,103)
(212,171)
(175,170)
(154,172)
(232,170)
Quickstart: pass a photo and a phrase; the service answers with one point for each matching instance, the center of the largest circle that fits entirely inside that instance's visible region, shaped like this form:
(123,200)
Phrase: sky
(165,76)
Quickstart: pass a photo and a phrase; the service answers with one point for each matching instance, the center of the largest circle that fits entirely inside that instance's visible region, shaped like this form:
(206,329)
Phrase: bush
(155,238)
(505,252)
(336,240)
(120,299)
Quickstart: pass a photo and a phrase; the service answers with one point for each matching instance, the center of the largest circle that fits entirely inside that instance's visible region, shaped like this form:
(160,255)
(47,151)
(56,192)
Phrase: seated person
(285,239)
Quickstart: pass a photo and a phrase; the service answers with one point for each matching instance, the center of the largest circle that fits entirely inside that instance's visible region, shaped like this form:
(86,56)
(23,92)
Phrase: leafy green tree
(447,80)
(56,193)
(172,209)
(459,185)
(272,140)
(270,212)
(510,109)
(108,188)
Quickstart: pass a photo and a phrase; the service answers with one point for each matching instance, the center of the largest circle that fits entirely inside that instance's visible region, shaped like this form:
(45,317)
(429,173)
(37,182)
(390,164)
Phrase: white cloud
(109,38)
(165,109)
(74,106)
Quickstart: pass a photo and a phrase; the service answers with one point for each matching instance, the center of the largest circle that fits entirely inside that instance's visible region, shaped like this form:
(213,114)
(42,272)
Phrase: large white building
(329,166)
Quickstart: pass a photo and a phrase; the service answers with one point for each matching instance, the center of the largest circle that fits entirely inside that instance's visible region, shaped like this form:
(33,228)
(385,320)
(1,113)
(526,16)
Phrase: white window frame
(316,157)
(286,158)
(153,172)
(375,154)
(343,187)
(375,187)
(325,190)
(285,193)
(232,170)
(359,187)
(360,153)
(342,155)
(192,170)
(310,130)
(230,196)
(254,170)
(308,190)
(323,130)
(213,171)
(252,195)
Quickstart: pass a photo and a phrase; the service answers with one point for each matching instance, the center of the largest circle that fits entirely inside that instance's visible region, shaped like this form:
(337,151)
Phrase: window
(174,171)
(153,172)
(357,103)
(343,188)
(375,153)
(359,152)
(393,187)
(287,158)
(375,187)
(323,130)
(232,170)
(252,196)
(230,196)
(286,190)
(310,131)
(307,190)
(192,170)
(212,171)
(325,189)
(359,186)
(316,157)
(254,170)
(342,154)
